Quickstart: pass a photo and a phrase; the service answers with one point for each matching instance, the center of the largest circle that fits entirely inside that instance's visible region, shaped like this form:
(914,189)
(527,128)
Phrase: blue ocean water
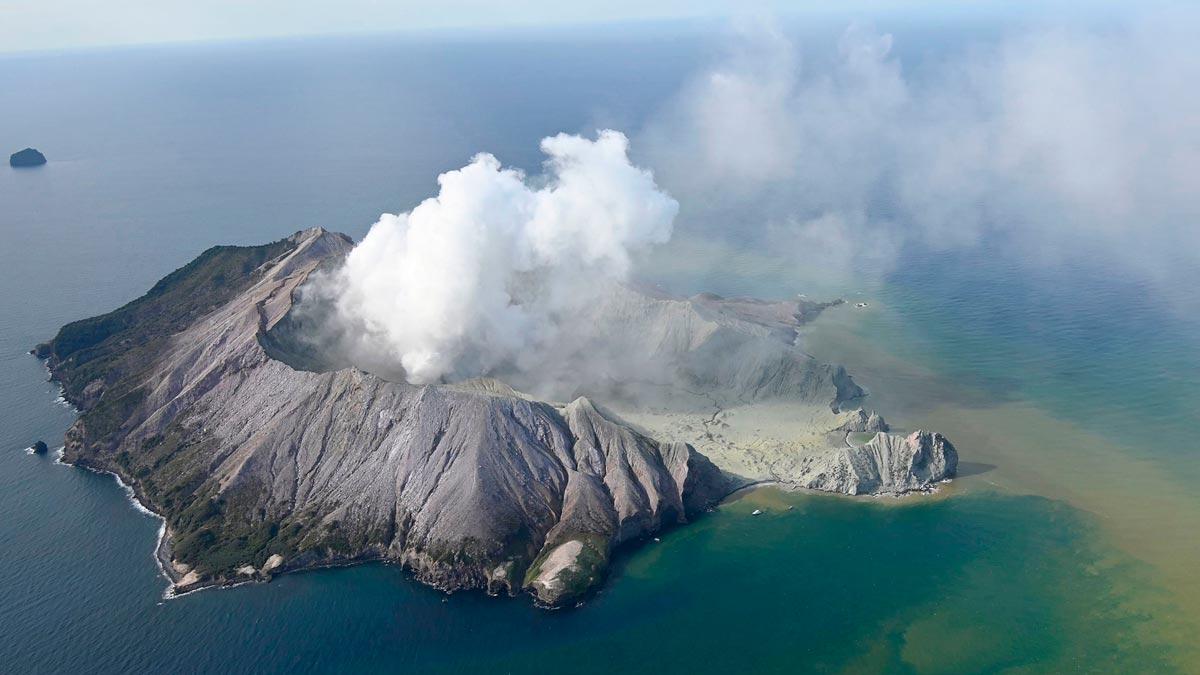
(158,153)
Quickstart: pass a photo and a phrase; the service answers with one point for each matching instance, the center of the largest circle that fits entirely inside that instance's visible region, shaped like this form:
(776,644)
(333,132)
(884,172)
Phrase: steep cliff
(888,463)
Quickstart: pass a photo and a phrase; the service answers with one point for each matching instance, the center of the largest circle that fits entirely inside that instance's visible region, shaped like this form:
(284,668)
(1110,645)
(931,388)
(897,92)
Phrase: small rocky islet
(262,459)
(29,157)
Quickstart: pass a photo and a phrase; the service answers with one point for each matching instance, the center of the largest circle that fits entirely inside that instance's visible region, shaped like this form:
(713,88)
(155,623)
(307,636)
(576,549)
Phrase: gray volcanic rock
(780,318)
(651,349)
(26,158)
(859,421)
(620,486)
(888,463)
(469,486)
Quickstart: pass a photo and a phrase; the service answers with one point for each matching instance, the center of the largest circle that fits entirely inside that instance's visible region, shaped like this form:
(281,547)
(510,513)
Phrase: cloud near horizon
(1063,143)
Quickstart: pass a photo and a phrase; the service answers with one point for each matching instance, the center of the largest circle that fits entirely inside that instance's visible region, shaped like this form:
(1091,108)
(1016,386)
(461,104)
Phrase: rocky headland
(264,457)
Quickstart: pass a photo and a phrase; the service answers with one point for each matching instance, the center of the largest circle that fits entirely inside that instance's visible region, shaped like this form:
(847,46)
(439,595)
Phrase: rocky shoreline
(179,586)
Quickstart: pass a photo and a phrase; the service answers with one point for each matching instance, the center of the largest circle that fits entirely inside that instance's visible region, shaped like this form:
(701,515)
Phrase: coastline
(134,500)
(739,486)
(935,490)
(1026,449)
(162,546)
(162,543)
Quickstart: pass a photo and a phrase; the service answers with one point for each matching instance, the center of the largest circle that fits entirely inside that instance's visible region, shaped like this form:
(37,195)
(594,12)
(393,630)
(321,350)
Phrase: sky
(34,25)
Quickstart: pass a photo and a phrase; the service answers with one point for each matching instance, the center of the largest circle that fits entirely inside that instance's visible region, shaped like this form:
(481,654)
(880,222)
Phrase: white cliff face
(888,463)
(266,464)
(807,446)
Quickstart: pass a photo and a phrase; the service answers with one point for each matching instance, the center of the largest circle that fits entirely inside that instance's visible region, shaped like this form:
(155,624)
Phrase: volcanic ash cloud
(486,271)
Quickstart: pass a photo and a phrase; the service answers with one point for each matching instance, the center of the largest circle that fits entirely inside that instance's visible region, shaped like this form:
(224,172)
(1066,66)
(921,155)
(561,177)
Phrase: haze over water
(1069,543)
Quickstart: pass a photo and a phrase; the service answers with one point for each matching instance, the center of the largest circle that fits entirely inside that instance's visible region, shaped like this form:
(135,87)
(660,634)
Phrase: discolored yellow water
(1143,511)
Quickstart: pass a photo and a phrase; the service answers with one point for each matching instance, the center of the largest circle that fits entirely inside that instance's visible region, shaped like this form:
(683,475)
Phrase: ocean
(1068,543)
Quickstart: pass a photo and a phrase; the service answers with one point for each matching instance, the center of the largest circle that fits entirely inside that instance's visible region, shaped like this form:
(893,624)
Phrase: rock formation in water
(261,460)
(25,158)
(888,463)
(859,421)
(39,448)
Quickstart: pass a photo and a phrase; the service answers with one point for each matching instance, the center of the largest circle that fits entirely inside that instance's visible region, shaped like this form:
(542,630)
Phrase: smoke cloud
(482,275)
(1049,144)
(1063,144)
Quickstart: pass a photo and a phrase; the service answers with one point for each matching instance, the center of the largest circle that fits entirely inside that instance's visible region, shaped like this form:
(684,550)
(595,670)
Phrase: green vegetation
(112,348)
(860,437)
(101,362)
(216,534)
(586,571)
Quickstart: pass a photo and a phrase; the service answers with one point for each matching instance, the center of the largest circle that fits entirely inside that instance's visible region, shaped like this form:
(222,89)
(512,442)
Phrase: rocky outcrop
(858,421)
(26,158)
(888,463)
(39,448)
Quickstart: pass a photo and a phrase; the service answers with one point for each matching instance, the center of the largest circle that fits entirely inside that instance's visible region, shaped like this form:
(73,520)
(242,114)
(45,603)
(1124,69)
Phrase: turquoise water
(830,585)
(158,153)
(1110,353)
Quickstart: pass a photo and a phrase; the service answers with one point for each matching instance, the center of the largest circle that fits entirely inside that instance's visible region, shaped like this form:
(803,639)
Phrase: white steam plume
(478,276)
(1066,144)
